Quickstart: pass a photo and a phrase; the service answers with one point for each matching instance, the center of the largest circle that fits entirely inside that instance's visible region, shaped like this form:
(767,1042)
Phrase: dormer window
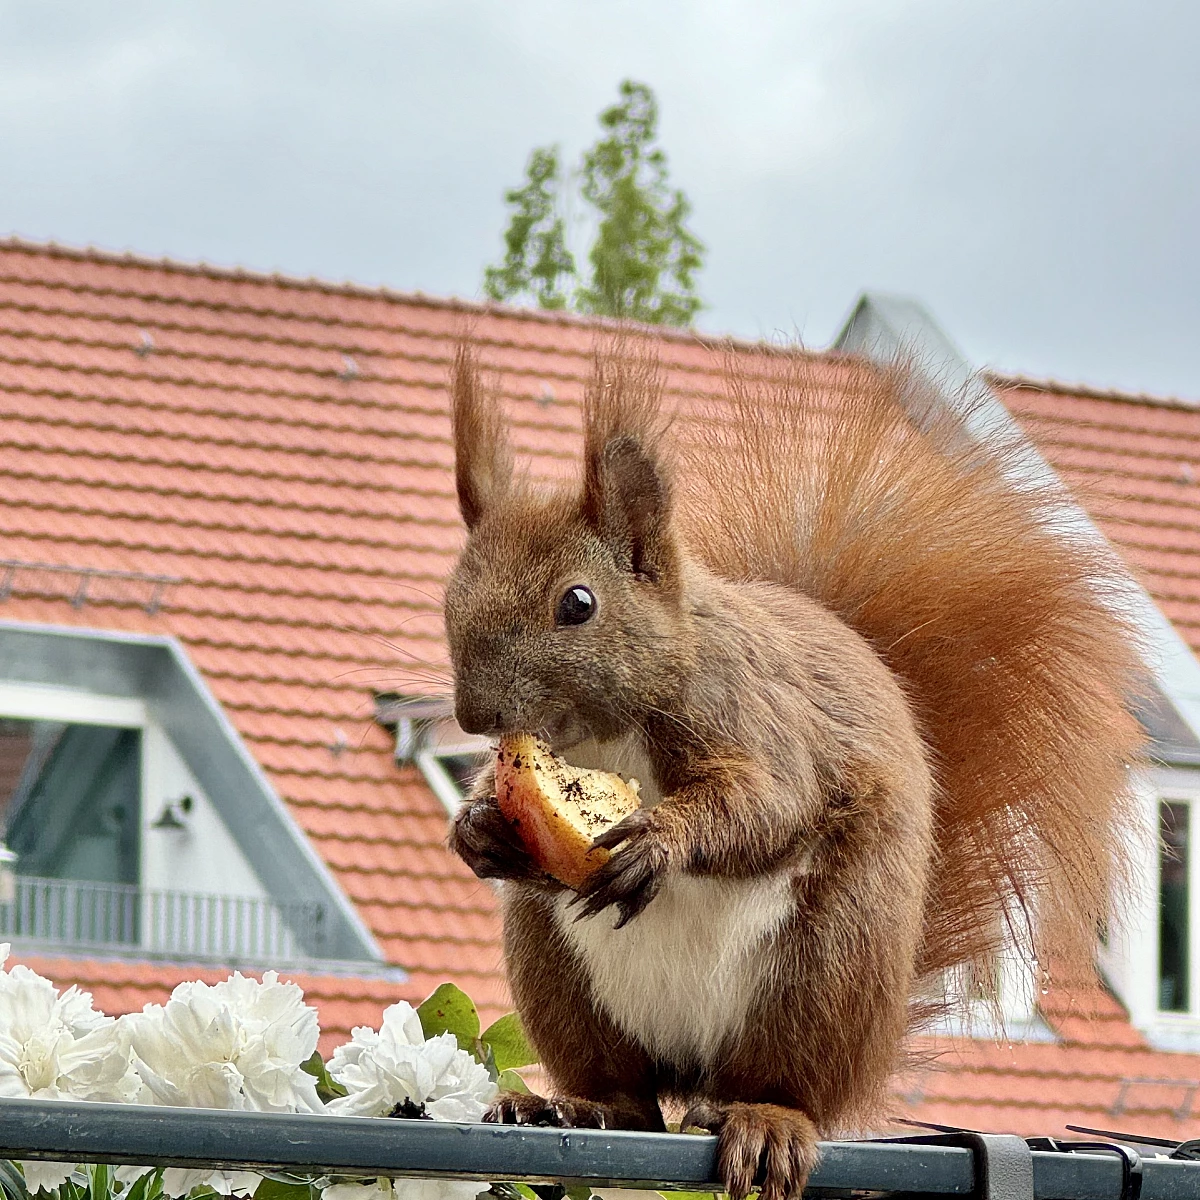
(428,736)
(133,819)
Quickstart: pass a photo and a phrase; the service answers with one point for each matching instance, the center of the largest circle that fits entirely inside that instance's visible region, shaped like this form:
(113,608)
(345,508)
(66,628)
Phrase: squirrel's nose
(481,713)
(477,720)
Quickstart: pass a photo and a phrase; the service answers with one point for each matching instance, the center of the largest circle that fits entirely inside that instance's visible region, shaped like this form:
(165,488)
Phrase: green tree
(644,259)
(536,255)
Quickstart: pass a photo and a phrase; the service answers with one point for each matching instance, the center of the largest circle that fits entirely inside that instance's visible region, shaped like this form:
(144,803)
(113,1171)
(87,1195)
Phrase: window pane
(69,799)
(1173,909)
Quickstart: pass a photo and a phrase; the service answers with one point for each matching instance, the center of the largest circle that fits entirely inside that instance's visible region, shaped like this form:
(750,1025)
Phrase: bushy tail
(1011,633)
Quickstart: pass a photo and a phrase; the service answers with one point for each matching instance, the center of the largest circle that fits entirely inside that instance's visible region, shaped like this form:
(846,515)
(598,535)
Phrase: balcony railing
(192,925)
(992,1168)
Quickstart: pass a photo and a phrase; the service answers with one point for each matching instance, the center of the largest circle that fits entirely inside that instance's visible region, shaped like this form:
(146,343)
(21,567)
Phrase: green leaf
(483,1054)
(100,1181)
(450,1010)
(12,1181)
(580,1192)
(273,1189)
(510,1081)
(508,1042)
(146,1186)
(514,1191)
(328,1088)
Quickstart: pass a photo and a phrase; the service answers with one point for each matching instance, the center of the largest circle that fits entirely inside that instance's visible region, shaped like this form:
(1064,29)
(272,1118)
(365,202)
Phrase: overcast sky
(1030,170)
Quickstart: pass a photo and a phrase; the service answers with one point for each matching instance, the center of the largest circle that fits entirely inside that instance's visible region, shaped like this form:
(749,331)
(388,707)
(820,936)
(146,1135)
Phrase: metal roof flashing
(884,328)
(157,670)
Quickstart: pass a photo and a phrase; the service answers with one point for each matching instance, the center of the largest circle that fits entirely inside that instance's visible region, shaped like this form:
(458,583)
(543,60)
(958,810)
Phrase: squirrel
(878,697)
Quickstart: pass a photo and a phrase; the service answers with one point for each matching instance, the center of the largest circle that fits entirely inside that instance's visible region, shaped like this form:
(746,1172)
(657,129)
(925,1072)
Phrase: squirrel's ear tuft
(626,491)
(482,457)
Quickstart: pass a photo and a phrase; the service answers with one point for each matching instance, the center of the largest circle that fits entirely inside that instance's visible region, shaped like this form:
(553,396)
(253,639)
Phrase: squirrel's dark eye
(576,606)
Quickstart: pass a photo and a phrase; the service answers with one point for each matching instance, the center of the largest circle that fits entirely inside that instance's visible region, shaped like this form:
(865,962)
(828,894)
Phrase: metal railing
(318,1144)
(81,584)
(194,925)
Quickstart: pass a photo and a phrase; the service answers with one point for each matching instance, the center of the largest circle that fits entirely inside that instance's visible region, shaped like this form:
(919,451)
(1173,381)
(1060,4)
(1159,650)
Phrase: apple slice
(559,809)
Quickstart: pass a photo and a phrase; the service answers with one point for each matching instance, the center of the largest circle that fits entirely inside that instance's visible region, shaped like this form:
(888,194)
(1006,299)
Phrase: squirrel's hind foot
(759,1141)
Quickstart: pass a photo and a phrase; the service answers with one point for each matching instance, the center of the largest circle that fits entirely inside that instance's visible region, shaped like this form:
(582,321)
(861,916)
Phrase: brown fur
(862,669)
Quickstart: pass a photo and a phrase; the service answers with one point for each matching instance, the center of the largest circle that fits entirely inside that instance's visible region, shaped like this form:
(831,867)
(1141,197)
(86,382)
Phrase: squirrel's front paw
(632,876)
(485,840)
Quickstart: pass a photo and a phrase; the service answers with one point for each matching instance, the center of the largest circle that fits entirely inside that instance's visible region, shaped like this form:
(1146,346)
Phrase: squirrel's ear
(627,502)
(626,491)
(482,457)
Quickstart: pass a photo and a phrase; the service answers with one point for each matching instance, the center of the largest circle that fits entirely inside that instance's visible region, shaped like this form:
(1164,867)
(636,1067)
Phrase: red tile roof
(1099,1073)
(1136,463)
(281,448)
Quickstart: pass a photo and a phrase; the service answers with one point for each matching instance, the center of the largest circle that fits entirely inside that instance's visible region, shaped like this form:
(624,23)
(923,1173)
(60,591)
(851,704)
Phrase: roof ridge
(311,283)
(1085,390)
(404,330)
(397,380)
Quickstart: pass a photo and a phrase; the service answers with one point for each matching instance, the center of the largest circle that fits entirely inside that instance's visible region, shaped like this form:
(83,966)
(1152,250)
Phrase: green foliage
(500,1047)
(644,259)
(328,1088)
(510,1081)
(277,1189)
(99,1181)
(145,1187)
(12,1182)
(509,1045)
(514,1191)
(451,1010)
(536,257)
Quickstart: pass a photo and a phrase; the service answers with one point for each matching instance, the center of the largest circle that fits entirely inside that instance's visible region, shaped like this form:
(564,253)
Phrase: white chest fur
(680,977)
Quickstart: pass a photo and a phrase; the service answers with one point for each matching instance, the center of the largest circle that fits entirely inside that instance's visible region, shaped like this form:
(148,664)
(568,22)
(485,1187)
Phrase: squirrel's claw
(637,822)
(759,1142)
(631,877)
(557,1112)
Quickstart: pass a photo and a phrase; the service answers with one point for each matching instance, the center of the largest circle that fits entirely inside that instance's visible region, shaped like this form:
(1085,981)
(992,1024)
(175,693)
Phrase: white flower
(45,1176)
(58,1047)
(405,1189)
(384,1069)
(179,1181)
(437,1189)
(359,1189)
(238,1044)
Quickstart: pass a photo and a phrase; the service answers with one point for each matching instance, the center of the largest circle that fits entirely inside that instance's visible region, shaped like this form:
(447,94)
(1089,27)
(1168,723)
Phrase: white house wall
(201,857)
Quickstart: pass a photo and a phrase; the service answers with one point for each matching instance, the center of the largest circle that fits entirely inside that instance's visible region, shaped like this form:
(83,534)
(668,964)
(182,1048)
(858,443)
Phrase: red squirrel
(878,702)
